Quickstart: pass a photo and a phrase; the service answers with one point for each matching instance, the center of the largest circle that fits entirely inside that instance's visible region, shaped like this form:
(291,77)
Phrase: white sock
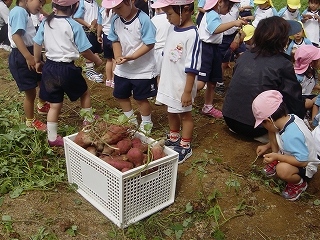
(219,84)
(129,113)
(146,118)
(52,129)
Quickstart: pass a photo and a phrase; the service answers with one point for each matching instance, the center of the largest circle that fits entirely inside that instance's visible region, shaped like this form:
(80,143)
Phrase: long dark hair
(271,36)
(69,10)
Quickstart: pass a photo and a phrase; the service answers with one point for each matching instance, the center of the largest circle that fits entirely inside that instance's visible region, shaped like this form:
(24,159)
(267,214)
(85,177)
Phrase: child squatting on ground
(133,37)
(63,39)
(181,63)
(21,60)
(294,156)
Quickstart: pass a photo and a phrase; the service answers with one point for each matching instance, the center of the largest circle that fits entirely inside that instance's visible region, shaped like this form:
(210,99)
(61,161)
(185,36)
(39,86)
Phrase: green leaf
(218,235)
(186,222)
(178,234)
(6,218)
(177,227)
(188,172)
(189,208)
(1,201)
(168,232)
(316,202)
(16,192)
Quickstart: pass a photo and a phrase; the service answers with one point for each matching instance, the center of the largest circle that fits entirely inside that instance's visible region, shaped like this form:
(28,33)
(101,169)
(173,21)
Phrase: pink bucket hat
(108,4)
(65,3)
(165,3)
(211,3)
(265,104)
(303,56)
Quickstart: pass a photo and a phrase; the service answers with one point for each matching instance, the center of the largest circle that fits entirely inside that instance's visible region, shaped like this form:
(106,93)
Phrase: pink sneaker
(213,112)
(110,83)
(56,143)
(293,191)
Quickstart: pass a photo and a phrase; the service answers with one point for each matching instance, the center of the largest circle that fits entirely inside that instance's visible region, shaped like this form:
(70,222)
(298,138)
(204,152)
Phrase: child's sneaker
(184,153)
(212,112)
(109,83)
(94,76)
(219,89)
(38,125)
(171,144)
(146,127)
(56,143)
(270,169)
(44,109)
(293,191)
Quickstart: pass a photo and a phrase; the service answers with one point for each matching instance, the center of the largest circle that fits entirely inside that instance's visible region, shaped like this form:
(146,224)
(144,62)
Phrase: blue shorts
(317,102)
(92,37)
(59,78)
(211,60)
(245,13)
(141,89)
(227,54)
(107,48)
(26,79)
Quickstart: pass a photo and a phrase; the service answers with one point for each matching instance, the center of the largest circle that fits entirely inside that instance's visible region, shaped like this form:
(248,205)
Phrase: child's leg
(85,100)
(52,125)
(28,104)
(208,108)
(187,129)
(109,72)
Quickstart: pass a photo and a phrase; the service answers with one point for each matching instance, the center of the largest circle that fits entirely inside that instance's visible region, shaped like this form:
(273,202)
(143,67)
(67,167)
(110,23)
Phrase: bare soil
(266,215)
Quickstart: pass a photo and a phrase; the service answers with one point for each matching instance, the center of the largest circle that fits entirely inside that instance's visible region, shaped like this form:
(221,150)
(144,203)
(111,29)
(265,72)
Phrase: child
(59,74)
(294,156)
(181,63)
(4,17)
(264,10)
(133,37)
(299,39)
(210,33)
(307,62)
(291,11)
(104,24)
(230,47)
(162,25)
(87,15)
(248,31)
(245,8)
(310,20)
(21,60)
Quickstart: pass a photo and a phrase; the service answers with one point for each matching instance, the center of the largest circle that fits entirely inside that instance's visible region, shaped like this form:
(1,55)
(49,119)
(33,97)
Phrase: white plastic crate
(124,198)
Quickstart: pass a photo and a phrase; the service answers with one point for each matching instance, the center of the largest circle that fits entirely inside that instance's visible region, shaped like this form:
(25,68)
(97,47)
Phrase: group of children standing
(190,59)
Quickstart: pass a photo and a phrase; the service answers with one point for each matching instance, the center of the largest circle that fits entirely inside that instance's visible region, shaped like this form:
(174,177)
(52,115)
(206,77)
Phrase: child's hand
(186,99)
(38,67)
(120,60)
(262,149)
(240,22)
(30,62)
(99,39)
(270,157)
(98,62)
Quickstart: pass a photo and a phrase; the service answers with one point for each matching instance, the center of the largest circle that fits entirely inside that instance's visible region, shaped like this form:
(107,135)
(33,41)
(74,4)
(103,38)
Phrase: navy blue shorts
(96,46)
(59,78)
(107,48)
(141,89)
(211,60)
(24,78)
(227,54)
(245,13)
(302,173)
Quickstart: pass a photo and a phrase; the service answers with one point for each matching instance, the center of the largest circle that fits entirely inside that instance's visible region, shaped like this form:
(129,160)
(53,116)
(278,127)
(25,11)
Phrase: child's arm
(83,22)
(99,33)
(140,51)
(263,148)
(23,49)
(117,52)
(88,54)
(225,26)
(186,98)
(270,157)
(37,57)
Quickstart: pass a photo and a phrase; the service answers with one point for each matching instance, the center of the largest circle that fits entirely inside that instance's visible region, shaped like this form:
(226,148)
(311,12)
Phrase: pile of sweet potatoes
(116,145)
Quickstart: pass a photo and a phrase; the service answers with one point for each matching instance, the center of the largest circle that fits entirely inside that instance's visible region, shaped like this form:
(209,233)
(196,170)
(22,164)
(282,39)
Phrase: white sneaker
(6,47)
(92,76)
(145,127)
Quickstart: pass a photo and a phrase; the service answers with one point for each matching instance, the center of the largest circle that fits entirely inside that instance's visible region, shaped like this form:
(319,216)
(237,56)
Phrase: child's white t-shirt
(162,25)
(132,35)
(4,14)
(209,23)
(87,10)
(19,19)
(181,54)
(104,20)
(311,26)
(260,14)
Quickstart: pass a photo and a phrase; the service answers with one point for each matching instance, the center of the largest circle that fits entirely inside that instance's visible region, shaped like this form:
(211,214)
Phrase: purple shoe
(56,143)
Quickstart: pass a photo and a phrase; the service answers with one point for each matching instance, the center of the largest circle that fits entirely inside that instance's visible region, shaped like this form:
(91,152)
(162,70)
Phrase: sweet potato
(83,139)
(92,150)
(136,143)
(135,156)
(107,150)
(115,134)
(118,164)
(157,150)
(124,145)
(125,169)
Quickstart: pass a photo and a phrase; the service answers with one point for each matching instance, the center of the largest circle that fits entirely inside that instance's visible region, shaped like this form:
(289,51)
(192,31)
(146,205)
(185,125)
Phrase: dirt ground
(266,215)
